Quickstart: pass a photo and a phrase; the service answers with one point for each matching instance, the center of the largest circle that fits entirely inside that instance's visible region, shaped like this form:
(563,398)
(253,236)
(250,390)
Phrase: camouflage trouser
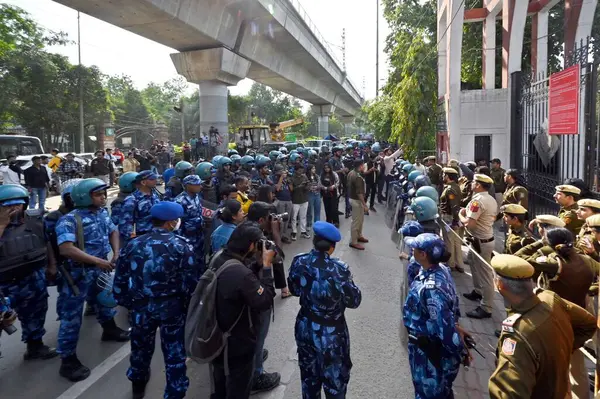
(29,298)
(430,381)
(326,367)
(69,307)
(170,318)
(199,254)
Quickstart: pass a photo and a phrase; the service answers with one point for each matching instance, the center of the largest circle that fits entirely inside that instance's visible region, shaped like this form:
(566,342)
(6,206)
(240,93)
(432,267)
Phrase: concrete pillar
(586,20)
(347,121)
(514,16)
(539,43)
(323,113)
(489,52)
(456,10)
(213,70)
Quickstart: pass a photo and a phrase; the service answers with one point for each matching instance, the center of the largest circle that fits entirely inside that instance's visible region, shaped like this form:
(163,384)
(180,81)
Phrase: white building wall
(484,113)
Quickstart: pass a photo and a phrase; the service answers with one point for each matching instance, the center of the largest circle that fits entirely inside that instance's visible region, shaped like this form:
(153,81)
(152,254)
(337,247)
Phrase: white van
(317,144)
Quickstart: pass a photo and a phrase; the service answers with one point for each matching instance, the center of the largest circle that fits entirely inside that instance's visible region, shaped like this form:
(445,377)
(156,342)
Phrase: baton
(69,279)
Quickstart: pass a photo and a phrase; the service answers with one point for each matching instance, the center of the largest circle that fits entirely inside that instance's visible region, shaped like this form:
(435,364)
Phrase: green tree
(378,115)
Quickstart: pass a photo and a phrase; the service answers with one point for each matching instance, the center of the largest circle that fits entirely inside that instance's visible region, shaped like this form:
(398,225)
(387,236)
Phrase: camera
(279,217)
(266,245)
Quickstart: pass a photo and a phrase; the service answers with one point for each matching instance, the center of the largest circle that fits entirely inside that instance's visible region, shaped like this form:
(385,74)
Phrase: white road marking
(98,372)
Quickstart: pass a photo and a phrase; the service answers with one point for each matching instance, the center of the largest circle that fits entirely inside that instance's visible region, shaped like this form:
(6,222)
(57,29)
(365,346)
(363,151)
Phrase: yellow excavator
(277,129)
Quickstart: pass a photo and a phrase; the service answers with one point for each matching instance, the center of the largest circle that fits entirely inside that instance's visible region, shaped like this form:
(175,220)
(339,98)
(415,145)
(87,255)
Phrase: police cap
(483,178)
(568,189)
(431,244)
(589,203)
(146,175)
(512,267)
(450,171)
(593,221)
(412,228)
(514,209)
(166,211)
(327,231)
(550,220)
(193,180)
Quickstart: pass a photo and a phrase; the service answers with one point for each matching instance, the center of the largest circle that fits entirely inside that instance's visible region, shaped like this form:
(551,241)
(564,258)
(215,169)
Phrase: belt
(487,240)
(320,319)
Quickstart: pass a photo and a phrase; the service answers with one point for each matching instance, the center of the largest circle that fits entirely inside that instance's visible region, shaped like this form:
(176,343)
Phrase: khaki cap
(483,178)
(568,189)
(593,221)
(514,209)
(454,162)
(512,267)
(551,220)
(589,203)
(450,171)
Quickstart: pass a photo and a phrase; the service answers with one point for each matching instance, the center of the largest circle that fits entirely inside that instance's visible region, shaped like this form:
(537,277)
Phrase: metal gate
(547,161)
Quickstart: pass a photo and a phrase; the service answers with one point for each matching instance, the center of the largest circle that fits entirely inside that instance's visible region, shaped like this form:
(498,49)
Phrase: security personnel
(567,196)
(425,211)
(23,256)
(224,176)
(204,172)
(157,293)
(478,218)
(514,217)
(127,183)
(466,190)
(449,207)
(174,185)
(434,172)
(585,240)
(192,223)
(85,238)
(135,217)
(515,192)
(497,175)
(543,223)
(435,345)
(538,337)
(321,332)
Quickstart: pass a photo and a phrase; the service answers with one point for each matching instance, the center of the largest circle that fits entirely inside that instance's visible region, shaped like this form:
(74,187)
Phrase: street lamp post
(377,53)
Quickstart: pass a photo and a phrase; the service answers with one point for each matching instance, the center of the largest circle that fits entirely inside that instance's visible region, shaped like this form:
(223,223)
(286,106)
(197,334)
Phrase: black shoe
(305,235)
(138,389)
(285,240)
(592,377)
(89,310)
(340,213)
(113,333)
(479,313)
(293,236)
(265,355)
(497,333)
(37,350)
(265,382)
(473,296)
(348,216)
(72,369)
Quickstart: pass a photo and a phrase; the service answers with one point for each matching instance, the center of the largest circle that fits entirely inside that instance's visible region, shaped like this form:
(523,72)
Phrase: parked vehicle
(317,144)
(19,145)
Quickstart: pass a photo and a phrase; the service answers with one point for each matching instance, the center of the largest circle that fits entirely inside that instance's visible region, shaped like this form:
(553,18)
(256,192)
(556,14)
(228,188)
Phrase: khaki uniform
(516,239)
(483,208)
(568,215)
(449,207)
(516,195)
(434,172)
(466,191)
(586,234)
(534,350)
(497,176)
(356,186)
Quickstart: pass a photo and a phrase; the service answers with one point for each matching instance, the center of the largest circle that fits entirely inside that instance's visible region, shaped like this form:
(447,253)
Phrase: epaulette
(430,282)
(507,324)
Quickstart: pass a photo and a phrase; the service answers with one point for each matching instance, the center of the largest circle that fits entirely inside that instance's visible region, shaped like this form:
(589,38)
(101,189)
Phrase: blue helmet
(67,187)
(105,295)
(236,159)
(407,168)
(82,192)
(183,168)
(168,174)
(127,182)
(261,161)
(14,193)
(430,192)
(248,160)
(216,159)
(232,152)
(312,154)
(293,152)
(376,147)
(273,155)
(203,170)
(282,157)
(424,208)
(422,181)
(223,161)
(283,150)
(294,157)
(414,174)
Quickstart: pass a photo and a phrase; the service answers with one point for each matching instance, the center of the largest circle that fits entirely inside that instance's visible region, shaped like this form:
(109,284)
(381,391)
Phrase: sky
(116,51)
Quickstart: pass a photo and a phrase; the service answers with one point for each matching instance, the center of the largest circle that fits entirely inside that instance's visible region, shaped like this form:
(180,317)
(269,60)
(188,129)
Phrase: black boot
(72,369)
(113,333)
(89,310)
(37,350)
(138,389)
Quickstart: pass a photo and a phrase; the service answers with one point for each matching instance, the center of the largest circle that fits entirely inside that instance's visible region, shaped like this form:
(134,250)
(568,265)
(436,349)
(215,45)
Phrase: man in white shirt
(388,162)
(419,166)
(108,155)
(11,172)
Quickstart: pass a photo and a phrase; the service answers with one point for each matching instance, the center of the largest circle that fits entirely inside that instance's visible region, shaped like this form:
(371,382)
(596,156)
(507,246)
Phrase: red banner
(563,104)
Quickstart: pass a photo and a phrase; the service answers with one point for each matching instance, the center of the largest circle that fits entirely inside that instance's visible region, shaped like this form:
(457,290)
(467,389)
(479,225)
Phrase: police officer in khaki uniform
(434,172)
(537,249)
(449,207)
(585,240)
(538,337)
(567,196)
(478,218)
(514,193)
(514,217)
(497,174)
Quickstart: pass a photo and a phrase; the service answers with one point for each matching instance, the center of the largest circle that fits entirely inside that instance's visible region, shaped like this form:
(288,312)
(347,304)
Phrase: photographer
(240,287)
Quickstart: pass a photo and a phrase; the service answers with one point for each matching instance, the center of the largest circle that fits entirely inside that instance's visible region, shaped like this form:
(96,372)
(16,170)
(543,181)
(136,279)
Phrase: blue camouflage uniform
(192,225)
(116,208)
(136,211)
(430,314)
(325,287)
(97,228)
(155,277)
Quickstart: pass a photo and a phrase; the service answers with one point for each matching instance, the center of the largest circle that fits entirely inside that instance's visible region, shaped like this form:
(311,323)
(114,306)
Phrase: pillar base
(213,112)
(323,113)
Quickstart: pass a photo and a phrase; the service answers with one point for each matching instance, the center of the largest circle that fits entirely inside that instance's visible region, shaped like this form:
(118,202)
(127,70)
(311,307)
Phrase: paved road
(380,364)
